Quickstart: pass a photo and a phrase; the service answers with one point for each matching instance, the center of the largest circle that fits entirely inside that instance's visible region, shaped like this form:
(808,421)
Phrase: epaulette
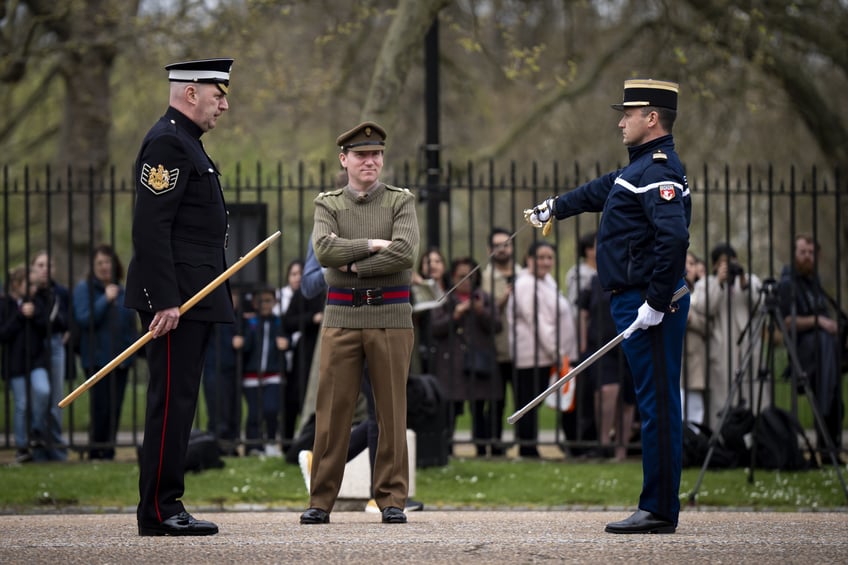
(660,156)
(398,189)
(330,193)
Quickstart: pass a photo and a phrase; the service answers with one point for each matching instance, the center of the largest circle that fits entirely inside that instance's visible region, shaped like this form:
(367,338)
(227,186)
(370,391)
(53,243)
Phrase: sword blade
(680,293)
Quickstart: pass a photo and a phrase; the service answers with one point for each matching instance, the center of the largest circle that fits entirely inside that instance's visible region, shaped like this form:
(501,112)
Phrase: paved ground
(432,537)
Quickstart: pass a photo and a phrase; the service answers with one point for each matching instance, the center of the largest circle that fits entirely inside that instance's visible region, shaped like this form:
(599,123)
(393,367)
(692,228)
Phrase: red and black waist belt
(367,296)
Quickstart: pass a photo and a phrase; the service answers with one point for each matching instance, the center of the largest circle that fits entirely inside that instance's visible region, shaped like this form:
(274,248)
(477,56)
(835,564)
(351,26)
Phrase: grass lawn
(463,483)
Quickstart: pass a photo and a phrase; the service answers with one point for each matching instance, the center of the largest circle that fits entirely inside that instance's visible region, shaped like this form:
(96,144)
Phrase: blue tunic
(641,250)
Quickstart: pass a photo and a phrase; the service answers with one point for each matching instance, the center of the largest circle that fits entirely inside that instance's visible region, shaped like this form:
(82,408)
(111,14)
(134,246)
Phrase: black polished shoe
(182,524)
(641,522)
(315,516)
(392,515)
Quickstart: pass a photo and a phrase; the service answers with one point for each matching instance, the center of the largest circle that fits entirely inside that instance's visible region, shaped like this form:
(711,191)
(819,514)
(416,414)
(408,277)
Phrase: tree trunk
(403,40)
(91,35)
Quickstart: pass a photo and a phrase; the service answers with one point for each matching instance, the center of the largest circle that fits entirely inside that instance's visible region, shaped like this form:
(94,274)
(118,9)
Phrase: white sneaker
(273,450)
(413,505)
(304,459)
(371,507)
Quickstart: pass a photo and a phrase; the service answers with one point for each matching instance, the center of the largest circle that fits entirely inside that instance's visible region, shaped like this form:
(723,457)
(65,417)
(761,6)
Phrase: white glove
(541,213)
(645,318)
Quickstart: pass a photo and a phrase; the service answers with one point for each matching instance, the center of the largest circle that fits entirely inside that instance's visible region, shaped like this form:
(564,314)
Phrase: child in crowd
(263,346)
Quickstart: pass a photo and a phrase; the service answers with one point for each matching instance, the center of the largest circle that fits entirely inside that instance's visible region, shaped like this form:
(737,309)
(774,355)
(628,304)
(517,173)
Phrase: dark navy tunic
(641,251)
(179,235)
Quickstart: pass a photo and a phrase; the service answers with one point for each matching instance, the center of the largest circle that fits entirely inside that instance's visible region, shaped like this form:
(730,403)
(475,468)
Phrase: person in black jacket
(302,320)
(23,330)
(179,238)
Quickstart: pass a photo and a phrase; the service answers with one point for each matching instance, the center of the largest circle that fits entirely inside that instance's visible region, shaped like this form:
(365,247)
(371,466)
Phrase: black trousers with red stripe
(175,364)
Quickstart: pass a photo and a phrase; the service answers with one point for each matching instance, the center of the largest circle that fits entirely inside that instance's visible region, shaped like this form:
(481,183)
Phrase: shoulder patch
(157,179)
(659,156)
(667,191)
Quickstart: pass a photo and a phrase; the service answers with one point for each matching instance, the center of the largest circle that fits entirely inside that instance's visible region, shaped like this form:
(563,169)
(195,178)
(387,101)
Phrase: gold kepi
(216,282)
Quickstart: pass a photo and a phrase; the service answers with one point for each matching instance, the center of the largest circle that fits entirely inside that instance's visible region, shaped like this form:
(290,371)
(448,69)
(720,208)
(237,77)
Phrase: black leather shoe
(315,516)
(182,524)
(641,522)
(392,515)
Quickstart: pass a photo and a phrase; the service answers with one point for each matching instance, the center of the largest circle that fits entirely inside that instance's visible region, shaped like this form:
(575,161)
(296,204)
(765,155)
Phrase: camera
(734,270)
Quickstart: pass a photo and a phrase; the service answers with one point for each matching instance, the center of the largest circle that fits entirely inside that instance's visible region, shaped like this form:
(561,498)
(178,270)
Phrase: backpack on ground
(777,433)
(202,453)
(733,448)
(424,400)
(696,443)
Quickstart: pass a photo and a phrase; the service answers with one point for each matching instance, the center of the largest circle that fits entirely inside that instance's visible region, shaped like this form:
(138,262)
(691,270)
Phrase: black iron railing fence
(758,211)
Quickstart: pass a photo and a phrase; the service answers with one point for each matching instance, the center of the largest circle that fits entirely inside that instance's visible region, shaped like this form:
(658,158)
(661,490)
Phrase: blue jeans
(56,450)
(40,399)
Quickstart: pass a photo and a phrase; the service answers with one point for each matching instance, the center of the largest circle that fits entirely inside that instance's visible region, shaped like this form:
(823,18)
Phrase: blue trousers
(655,356)
(263,406)
(39,399)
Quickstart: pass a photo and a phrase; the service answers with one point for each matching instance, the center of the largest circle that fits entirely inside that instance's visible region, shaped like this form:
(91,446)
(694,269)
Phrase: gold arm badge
(158,179)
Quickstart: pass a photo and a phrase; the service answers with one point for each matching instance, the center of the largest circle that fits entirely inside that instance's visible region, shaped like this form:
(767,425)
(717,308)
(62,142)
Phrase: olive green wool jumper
(344,222)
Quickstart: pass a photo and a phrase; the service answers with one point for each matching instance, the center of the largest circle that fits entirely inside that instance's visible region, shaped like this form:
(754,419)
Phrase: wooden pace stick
(680,293)
(216,282)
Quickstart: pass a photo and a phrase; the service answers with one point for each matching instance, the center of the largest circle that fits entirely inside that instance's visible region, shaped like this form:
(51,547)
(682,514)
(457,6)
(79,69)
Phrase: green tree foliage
(524,80)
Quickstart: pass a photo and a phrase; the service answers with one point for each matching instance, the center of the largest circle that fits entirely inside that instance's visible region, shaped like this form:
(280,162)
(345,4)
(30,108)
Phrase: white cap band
(192,76)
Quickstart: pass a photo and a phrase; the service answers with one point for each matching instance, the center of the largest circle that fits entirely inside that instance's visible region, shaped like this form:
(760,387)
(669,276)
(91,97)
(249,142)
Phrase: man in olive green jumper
(366,235)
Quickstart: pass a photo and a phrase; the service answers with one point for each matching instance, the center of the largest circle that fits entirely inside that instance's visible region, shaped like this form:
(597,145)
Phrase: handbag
(563,399)
(478,363)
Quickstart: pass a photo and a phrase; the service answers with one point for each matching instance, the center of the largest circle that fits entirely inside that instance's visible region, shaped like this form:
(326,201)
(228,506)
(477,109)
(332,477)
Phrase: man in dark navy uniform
(641,253)
(179,235)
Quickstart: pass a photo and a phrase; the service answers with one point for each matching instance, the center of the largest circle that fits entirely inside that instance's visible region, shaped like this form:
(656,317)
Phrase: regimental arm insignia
(157,179)
(667,191)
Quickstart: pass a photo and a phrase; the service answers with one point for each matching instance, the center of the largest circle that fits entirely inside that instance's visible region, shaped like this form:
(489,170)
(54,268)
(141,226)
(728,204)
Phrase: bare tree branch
(561,94)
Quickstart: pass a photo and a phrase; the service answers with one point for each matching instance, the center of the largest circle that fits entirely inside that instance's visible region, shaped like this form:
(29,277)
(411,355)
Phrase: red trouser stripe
(164,425)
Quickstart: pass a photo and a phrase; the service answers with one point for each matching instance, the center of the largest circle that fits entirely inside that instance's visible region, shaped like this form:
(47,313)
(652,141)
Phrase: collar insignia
(158,179)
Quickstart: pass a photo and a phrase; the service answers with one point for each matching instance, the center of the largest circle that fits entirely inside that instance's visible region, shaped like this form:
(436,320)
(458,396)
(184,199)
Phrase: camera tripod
(767,310)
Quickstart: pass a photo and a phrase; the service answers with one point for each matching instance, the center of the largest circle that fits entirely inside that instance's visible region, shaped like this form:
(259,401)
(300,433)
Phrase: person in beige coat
(728,298)
(693,382)
(542,332)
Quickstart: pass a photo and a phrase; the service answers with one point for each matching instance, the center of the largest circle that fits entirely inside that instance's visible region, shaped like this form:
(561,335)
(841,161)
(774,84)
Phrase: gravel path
(441,536)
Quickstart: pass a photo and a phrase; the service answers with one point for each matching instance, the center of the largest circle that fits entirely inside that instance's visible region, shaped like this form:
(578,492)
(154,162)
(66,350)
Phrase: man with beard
(811,321)
(497,280)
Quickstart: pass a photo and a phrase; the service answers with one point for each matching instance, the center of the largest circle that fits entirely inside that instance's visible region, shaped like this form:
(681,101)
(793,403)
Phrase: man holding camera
(727,299)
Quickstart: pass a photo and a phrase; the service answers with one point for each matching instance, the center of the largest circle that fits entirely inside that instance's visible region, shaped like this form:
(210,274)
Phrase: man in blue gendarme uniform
(641,251)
